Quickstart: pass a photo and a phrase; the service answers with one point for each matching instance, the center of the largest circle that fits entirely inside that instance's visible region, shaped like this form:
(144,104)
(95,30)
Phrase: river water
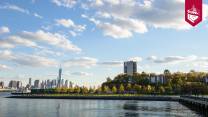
(90,108)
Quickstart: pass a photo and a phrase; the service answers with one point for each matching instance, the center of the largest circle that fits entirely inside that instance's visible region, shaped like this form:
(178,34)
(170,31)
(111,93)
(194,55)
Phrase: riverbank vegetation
(174,84)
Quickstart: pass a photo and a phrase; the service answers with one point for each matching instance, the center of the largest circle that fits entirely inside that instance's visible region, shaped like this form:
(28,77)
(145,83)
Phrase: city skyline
(92,39)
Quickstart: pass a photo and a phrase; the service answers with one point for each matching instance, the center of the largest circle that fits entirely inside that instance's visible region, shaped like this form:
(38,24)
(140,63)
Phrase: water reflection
(156,109)
(91,108)
(58,110)
(130,105)
(131,114)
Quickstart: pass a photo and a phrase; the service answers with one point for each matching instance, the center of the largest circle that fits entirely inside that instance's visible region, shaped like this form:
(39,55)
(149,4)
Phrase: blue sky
(92,38)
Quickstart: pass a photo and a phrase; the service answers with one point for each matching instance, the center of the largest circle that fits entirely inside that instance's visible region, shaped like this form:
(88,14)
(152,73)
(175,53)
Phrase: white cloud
(34,61)
(38,16)
(24,59)
(4,30)
(86,62)
(19,9)
(112,63)
(6,44)
(177,63)
(133,25)
(103,14)
(81,74)
(172,59)
(137,16)
(6,55)
(65,3)
(188,61)
(74,34)
(121,28)
(117,63)
(68,23)
(15,8)
(4,67)
(98,3)
(114,31)
(54,39)
(137,59)
(17,40)
(47,52)
(65,22)
(13,41)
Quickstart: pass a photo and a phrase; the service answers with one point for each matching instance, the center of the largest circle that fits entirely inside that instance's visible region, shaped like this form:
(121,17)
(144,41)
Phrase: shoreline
(6,90)
(143,98)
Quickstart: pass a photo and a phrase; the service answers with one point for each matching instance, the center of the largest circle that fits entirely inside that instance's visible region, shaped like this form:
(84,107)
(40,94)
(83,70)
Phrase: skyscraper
(59,77)
(30,81)
(37,84)
(1,85)
(19,84)
(13,84)
(53,83)
(62,82)
(66,85)
(130,67)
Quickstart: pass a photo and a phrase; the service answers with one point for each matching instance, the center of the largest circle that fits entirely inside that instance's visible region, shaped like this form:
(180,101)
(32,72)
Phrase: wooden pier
(198,104)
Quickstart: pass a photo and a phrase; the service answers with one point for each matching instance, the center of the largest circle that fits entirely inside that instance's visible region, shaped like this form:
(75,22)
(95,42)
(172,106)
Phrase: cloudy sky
(92,38)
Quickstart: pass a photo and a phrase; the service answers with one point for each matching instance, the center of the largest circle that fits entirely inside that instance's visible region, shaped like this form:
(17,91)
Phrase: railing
(196,98)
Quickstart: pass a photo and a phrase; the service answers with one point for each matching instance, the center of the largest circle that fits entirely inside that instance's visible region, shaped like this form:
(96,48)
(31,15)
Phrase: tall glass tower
(59,77)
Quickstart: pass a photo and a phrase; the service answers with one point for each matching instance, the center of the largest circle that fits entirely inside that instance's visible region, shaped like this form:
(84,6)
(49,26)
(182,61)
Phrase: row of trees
(176,83)
(132,89)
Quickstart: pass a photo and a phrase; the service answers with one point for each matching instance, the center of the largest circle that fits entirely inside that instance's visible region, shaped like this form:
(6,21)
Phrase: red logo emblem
(193,11)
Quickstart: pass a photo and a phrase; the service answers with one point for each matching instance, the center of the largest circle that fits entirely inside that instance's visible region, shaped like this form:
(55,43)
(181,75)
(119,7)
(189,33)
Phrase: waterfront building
(59,77)
(66,85)
(155,79)
(1,85)
(130,67)
(48,84)
(37,84)
(62,82)
(19,84)
(30,81)
(13,84)
(43,84)
(53,83)
(70,84)
(206,80)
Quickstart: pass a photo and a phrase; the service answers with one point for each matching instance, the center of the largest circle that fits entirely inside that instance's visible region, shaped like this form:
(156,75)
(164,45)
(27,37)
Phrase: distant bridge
(199,104)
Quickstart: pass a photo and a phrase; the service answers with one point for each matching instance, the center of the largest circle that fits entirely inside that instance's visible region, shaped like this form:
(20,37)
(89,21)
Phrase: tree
(108,79)
(58,90)
(84,90)
(92,90)
(121,88)
(148,89)
(114,89)
(162,89)
(168,88)
(63,90)
(128,87)
(70,90)
(166,72)
(138,88)
(99,90)
(70,84)
(105,89)
(77,89)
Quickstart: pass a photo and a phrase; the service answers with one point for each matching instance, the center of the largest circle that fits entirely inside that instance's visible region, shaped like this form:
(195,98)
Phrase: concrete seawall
(144,98)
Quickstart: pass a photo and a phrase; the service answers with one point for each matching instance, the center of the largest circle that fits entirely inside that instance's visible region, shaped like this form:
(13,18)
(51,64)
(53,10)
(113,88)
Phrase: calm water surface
(90,108)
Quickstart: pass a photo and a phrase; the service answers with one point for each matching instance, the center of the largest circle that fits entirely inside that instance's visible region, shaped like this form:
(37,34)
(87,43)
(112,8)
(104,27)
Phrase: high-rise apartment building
(130,67)
(37,84)
(1,85)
